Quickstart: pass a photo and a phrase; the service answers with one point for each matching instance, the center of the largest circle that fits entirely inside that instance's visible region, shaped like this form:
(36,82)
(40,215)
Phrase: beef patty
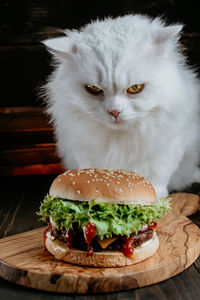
(79,242)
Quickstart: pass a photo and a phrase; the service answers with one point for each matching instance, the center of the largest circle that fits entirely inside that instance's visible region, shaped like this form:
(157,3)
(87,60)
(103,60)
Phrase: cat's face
(114,76)
(116,95)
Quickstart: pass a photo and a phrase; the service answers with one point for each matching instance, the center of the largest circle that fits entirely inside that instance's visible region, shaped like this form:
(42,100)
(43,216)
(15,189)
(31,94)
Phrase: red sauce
(70,238)
(89,232)
(128,246)
(152,225)
(90,250)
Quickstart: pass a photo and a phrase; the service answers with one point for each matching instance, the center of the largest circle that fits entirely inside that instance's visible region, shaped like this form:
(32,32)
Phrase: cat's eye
(135,88)
(92,89)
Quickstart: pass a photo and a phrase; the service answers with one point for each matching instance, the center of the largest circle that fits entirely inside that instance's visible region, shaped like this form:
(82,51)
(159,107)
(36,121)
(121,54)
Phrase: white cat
(122,96)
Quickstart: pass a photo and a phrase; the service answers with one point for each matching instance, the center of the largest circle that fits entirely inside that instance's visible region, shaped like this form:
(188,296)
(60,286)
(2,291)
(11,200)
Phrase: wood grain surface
(27,143)
(28,264)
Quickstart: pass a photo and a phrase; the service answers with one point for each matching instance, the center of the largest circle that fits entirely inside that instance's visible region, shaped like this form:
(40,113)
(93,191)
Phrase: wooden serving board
(24,261)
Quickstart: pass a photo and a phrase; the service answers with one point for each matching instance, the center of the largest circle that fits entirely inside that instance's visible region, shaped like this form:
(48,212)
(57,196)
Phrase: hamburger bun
(103,185)
(106,259)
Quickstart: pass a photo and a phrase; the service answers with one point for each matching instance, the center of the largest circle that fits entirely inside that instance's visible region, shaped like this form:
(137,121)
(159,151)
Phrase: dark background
(27,144)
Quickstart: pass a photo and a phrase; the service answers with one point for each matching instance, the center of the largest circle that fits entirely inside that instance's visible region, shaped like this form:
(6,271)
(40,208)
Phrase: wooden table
(20,199)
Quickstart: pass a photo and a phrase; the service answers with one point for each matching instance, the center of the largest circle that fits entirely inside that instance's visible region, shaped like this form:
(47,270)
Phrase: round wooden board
(24,261)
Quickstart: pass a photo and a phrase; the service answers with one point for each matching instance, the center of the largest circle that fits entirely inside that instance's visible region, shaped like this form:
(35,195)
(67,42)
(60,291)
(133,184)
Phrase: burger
(102,217)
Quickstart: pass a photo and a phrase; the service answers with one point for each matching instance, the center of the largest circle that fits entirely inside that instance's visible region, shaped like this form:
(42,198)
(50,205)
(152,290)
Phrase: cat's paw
(161,191)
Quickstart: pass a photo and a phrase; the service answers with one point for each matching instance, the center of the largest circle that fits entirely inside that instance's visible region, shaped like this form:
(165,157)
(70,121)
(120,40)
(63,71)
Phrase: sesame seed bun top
(103,185)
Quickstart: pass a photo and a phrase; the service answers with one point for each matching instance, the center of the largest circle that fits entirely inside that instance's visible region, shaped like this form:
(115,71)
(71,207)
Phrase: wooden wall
(27,142)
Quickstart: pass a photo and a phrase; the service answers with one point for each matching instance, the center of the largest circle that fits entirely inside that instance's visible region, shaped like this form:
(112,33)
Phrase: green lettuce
(109,219)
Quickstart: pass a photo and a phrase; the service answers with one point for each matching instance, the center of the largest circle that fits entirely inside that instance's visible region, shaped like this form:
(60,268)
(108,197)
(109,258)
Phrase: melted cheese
(106,242)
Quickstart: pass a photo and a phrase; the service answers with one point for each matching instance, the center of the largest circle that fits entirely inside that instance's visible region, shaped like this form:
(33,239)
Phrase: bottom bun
(105,259)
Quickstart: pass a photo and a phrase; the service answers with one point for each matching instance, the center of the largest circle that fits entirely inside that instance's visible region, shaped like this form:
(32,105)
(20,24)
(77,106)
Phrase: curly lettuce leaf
(109,219)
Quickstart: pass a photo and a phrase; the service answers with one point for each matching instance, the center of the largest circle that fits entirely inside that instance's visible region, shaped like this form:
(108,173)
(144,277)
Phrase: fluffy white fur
(157,131)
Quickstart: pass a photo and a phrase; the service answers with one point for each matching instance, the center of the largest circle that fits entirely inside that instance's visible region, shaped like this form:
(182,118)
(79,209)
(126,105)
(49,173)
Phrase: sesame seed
(93,179)
(108,184)
(120,190)
(78,192)
(97,191)
(73,182)
(118,182)
(88,181)
(59,180)
(131,190)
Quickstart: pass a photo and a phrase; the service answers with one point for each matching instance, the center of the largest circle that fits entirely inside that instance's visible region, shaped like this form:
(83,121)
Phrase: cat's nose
(114,112)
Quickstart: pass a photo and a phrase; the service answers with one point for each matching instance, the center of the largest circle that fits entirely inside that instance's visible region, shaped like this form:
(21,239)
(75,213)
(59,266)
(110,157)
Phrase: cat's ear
(61,47)
(165,35)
